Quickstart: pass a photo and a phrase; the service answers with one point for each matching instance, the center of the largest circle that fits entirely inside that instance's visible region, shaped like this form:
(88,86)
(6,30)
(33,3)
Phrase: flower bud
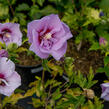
(101,14)
(103,42)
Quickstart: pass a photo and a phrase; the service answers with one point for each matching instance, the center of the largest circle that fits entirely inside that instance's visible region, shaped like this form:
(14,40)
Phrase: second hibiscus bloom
(48,36)
(10,33)
(9,78)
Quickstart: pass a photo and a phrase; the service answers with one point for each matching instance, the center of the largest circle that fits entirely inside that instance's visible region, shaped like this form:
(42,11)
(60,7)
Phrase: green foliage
(104,4)
(40,2)
(72,19)
(12,47)
(106,60)
(85,35)
(55,68)
(2,45)
(95,46)
(106,66)
(92,16)
(68,66)
(21,18)
(23,7)
(36,13)
(75,102)
(4,11)
(53,94)
(96,105)
(12,99)
(82,81)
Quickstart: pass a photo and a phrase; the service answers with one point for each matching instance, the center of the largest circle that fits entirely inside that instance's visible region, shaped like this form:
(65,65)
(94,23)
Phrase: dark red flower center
(1,76)
(2,83)
(5,32)
(41,37)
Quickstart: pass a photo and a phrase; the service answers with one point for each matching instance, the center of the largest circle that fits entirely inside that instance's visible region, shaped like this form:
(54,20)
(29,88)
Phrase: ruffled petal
(7,67)
(15,35)
(14,81)
(36,45)
(63,37)
(60,52)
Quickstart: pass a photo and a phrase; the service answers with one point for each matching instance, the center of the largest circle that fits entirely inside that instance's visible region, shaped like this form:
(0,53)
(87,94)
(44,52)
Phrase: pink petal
(36,45)
(37,25)
(54,22)
(16,35)
(63,37)
(14,82)
(7,67)
(51,22)
(60,52)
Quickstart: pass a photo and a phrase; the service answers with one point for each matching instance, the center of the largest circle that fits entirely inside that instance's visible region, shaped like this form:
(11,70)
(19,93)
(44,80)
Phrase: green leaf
(105,69)
(22,7)
(55,68)
(25,40)
(12,2)
(95,104)
(56,95)
(104,4)
(30,92)
(106,60)
(45,65)
(36,13)
(40,2)
(37,102)
(19,91)
(79,100)
(100,70)
(22,18)
(91,75)
(12,99)
(12,46)
(21,49)
(4,11)
(94,46)
(2,45)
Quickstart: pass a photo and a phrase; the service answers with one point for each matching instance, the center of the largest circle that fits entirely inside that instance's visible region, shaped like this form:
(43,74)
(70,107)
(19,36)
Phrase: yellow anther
(48,36)
(7,35)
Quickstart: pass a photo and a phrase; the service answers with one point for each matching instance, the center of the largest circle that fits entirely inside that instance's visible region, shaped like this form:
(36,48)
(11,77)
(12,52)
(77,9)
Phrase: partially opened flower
(105,91)
(9,79)
(103,42)
(10,33)
(3,53)
(48,37)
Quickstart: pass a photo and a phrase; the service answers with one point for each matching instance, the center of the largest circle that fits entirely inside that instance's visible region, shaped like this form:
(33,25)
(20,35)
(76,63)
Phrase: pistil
(48,36)
(7,35)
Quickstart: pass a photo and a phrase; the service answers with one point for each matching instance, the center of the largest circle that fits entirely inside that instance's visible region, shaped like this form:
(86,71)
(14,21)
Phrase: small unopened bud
(89,93)
(101,14)
(103,42)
